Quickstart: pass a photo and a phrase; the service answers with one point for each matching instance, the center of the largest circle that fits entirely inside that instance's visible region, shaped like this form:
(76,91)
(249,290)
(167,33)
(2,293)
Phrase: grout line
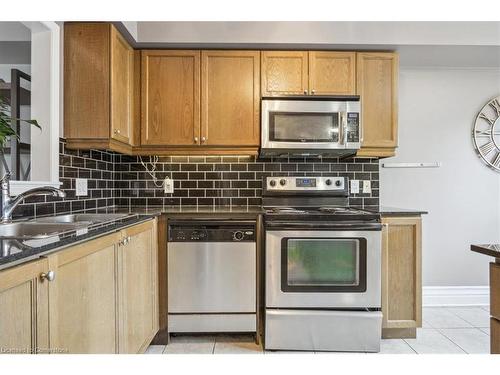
(442,333)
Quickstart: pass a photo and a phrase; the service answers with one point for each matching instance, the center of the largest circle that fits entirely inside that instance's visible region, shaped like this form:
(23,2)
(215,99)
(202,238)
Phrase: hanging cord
(150,168)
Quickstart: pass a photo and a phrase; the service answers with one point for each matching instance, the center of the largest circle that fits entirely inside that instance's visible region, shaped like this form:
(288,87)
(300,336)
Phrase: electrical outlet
(354,186)
(81,187)
(367,187)
(168,185)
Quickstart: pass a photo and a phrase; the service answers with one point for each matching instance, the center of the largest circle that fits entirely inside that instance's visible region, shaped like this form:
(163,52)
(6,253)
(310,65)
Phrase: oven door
(323,269)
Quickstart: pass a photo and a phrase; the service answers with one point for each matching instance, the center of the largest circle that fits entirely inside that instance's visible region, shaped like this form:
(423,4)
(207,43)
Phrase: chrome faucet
(8,204)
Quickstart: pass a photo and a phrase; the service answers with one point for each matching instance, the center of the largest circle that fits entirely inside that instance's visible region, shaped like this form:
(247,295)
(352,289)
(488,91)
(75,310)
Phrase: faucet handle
(5,177)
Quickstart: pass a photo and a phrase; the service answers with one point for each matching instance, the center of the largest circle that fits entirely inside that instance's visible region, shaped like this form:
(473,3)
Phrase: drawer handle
(49,276)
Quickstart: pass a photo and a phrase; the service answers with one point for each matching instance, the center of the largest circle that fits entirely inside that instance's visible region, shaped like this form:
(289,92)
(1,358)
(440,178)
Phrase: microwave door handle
(343,120)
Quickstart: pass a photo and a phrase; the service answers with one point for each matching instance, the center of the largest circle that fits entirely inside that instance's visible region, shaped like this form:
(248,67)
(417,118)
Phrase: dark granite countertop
(396,211)
(15,252)
(492,250)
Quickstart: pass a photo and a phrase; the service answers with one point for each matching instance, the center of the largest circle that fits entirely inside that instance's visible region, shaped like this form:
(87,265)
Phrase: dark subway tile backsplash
(115,179)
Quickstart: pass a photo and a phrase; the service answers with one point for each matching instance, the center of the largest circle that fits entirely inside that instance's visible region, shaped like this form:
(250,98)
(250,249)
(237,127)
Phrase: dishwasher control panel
(211,232)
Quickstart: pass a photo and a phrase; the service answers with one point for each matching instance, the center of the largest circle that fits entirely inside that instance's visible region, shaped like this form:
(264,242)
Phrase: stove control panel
(311,184)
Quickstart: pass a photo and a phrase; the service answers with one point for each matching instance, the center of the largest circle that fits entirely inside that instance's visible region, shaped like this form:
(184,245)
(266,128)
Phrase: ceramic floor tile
(485,330)
(236,344)
(292,352)
(155,349)
(486,307)
(471,340)
(185,344)
(438,317)
(431,341)
(475,316)
(395,346)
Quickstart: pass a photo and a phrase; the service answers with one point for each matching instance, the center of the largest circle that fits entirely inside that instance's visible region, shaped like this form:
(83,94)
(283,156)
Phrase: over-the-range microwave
(310,126)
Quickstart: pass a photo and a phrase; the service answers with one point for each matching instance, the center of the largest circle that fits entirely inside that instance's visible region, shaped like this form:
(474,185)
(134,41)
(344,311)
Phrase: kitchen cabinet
(308,73)
(100,88)
(170,98)
(377,85)
(200,102)
(332,73)
(24,322)
(401,276)
(82,304)
(100,296)
(230,98)
(284,73)
(137,288)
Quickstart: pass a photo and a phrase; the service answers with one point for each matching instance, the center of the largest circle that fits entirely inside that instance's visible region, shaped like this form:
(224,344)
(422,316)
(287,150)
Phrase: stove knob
(338,183)
(282,182)
(272,183)
(328,182)
(238,235)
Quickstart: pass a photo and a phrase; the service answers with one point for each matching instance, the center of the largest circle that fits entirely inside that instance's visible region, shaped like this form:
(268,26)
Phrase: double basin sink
(55,225)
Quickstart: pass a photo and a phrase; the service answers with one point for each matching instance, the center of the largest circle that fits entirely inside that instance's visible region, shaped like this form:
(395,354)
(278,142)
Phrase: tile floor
(447,330)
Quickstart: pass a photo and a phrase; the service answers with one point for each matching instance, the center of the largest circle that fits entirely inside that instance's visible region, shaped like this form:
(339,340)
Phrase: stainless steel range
(323,267)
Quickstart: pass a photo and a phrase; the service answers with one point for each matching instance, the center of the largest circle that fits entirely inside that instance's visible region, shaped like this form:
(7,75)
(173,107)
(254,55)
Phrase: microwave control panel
(353,127)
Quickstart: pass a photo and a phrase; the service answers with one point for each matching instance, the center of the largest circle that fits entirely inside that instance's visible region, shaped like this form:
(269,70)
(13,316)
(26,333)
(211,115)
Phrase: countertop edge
(29,258)
(486,250)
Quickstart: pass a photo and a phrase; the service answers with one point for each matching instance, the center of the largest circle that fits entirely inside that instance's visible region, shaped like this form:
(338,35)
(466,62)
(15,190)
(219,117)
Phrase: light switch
(354,186)
(367,187)
(81,187)
(168,185)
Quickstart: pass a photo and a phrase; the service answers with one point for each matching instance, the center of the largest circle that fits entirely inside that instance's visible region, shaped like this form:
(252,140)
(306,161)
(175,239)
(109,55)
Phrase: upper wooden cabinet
(332,73)
(284,73)
(230,98)
(99,87)
(24,321)
(170,98)
(377,85)
(308,73)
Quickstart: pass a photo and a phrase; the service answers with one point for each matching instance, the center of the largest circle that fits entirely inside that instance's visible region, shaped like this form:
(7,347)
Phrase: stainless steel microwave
(307,126)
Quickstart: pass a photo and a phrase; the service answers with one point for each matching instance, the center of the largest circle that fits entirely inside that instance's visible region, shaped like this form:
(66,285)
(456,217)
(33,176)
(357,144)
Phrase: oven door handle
(323,225)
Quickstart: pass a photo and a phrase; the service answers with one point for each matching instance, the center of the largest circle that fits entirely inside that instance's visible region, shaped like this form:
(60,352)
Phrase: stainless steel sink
(29,230)
(79,218)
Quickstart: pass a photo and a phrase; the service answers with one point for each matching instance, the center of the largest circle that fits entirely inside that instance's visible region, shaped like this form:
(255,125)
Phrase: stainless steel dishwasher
(211,276)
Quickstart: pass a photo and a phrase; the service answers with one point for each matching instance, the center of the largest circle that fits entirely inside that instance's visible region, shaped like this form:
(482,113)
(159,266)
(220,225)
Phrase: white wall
(437,108)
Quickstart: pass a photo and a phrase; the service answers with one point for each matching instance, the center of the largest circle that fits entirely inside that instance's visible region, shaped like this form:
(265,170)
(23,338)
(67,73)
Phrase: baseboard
(455,295)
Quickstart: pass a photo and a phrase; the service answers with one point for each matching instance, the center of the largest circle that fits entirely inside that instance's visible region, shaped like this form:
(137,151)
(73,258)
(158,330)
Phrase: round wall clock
(486,134)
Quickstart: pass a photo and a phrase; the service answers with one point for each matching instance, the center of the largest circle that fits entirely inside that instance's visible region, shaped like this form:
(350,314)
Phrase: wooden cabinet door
(82,297)
(170,96)
(284,73)
(377,85)
(122,93)
(86,80)
(230,98)
(137,288)
(332,73)
(401,276)
(24,322)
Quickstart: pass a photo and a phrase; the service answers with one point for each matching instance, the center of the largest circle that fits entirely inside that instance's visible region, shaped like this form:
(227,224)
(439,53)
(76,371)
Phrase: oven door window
(323,265)
(303,127)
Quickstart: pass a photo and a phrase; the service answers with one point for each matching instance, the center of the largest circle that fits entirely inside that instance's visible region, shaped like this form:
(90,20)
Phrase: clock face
(486,134)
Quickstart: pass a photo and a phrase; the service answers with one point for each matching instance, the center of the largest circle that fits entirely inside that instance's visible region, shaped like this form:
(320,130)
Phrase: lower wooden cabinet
(24,300)
(82,298)
(401,276)
(137,289)
(495,307)
(103,297)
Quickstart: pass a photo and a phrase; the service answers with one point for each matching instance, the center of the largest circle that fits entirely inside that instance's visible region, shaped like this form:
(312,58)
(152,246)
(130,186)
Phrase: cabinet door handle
(203,139)
(49,276)
(195,139)
(117,131)
(313,91)
(305,92)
